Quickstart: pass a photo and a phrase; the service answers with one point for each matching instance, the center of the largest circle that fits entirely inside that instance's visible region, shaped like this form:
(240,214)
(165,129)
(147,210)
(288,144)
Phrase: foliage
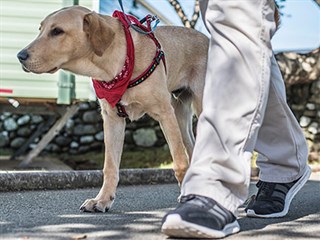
(280,3)
(179,10)
(196,13)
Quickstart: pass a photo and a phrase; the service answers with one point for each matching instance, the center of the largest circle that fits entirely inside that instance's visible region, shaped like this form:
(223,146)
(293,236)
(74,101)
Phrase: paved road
(137,214)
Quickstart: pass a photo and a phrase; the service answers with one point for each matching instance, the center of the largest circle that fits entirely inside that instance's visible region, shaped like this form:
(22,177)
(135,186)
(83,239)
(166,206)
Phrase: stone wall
(302,77)
(304,100)
(82,133)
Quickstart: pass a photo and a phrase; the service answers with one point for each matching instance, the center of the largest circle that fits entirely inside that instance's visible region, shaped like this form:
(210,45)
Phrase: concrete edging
(53,180)
(71,179)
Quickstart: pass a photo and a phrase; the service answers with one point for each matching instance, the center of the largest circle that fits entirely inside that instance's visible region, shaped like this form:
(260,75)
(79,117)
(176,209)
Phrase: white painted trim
(96,5)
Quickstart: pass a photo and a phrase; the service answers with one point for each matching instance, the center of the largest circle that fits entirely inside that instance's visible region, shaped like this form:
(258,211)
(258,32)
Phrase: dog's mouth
(53,70)
(25,68)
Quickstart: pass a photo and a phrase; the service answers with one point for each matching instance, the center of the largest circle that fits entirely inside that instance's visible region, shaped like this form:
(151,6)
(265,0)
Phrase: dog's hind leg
(169,125)
(181,102)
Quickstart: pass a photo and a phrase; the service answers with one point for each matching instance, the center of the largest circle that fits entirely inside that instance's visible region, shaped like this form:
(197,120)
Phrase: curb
(54,180)
(58,180)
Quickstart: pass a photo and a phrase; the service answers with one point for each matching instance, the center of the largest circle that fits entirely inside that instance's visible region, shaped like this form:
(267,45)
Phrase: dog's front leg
(114,132)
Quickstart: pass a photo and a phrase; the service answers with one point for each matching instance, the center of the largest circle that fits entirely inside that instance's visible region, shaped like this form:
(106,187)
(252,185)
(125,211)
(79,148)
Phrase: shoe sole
(174,226)
(290,195)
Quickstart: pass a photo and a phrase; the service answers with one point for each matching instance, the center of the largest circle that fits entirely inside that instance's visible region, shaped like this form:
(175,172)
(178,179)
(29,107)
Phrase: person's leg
(283,169)
(235,97)
(280,137)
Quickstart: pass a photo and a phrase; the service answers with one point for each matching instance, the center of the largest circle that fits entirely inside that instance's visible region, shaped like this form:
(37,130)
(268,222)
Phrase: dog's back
(186,53)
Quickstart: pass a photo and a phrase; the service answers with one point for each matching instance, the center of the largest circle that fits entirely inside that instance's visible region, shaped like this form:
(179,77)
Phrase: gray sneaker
(199,217)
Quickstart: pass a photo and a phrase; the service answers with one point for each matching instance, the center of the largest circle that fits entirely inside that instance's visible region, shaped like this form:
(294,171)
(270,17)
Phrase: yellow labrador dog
(86,43)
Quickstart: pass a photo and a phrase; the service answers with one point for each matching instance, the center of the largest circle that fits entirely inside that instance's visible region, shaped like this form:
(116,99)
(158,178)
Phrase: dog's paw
(96,205)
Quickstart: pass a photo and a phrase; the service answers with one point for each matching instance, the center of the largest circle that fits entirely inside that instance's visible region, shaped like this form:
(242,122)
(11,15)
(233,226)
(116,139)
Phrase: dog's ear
(98,31)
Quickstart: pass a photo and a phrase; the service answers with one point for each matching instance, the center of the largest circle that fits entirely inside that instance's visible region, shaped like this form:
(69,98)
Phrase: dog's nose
(23,55)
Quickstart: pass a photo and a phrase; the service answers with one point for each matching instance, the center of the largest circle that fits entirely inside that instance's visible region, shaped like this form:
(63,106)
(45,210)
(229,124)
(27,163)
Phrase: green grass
(139,158)
(5,152)
(146,158)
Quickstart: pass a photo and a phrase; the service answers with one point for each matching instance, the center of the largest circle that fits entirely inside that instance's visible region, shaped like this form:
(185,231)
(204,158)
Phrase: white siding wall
(19,23)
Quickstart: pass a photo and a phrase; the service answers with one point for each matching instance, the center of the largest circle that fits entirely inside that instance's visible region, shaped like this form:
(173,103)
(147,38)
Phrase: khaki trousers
(244,107)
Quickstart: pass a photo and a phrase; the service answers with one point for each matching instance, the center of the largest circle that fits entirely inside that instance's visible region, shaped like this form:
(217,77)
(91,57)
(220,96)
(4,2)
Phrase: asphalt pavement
(137,214)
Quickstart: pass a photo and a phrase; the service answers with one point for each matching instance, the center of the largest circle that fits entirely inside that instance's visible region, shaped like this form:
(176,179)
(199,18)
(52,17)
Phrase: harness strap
(149,70)
(159,53)
(138,28)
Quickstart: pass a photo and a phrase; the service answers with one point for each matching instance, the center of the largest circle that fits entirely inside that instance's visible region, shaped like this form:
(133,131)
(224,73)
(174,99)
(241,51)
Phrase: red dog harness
(112,91)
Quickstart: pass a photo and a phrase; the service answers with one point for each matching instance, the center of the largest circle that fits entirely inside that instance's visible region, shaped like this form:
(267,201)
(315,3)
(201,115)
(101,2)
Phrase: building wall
(19,24)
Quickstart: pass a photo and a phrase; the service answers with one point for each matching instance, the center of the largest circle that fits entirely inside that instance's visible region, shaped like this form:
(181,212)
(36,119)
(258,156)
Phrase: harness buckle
(122,115)
(159,57)
(121,110)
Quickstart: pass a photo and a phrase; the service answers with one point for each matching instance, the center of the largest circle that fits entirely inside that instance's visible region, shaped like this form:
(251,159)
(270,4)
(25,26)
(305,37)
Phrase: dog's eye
(56,32)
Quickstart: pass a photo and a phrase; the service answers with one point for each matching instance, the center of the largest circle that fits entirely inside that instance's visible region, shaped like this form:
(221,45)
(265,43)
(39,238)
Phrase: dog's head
(65,35)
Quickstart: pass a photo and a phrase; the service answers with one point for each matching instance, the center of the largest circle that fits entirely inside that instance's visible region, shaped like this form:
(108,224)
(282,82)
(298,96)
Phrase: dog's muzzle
(23,56)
